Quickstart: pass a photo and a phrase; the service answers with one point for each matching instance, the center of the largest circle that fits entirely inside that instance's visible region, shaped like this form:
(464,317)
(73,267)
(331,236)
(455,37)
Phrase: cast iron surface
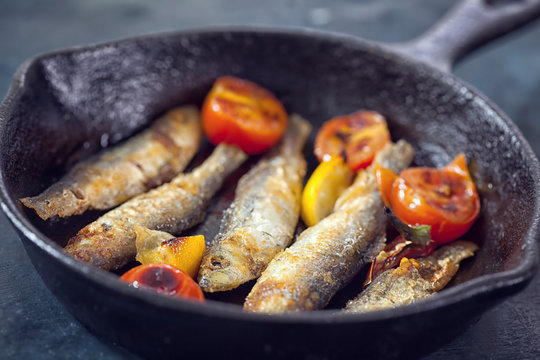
(71,87)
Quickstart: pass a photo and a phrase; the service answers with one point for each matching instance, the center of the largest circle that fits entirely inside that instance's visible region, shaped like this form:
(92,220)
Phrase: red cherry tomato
(445,199)
(165,279)
(242,113)
(356,137)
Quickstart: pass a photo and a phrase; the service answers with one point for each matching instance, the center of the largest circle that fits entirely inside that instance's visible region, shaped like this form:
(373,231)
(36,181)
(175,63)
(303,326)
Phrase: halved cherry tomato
(445,199)
(165,279)
(323,188)
(356,137)
(242,113)
(184,253)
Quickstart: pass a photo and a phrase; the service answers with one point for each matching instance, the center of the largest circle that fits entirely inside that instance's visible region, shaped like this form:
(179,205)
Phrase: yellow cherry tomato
(323,188)
(184,253)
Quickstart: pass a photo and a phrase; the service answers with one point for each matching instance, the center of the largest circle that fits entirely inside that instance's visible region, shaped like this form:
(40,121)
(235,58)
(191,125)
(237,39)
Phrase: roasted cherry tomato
(165,279)
(356,137)
(444,199)
(242,113)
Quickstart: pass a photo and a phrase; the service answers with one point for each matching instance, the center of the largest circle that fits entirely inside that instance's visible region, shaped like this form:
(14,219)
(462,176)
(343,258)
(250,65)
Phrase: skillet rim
(482,285)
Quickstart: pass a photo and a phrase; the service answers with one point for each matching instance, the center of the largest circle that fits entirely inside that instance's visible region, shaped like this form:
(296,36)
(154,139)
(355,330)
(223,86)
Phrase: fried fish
(261,220)
(108,179)
(413,279)
(109,242)
(324,257)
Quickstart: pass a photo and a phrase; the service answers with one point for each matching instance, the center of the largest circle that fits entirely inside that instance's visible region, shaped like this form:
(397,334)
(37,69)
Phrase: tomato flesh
(445,199)
(165,279)
(242,113)
(356,137)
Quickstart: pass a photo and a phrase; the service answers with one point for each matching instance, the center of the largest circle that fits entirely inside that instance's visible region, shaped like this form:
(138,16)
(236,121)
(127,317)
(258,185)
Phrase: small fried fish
(326,256)
(262,218)
(117,174)
(109,242)
(413,280)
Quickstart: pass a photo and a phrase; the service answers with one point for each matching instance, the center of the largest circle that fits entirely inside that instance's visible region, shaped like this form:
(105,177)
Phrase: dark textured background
(34,325)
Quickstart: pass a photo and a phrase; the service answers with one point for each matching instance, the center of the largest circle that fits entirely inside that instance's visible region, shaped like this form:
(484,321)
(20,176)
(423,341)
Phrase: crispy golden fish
(262,218)
(413,280)
(109,242)
(115,175)
(324,257)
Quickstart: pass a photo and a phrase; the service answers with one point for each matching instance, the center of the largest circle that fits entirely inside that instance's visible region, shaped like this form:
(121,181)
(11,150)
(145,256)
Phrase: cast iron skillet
(62,105)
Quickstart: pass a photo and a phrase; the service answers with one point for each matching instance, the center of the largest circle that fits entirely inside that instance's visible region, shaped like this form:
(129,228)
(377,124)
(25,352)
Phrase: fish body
(413,280)
(109,242)
(108,179)
(261,220)
(326,256)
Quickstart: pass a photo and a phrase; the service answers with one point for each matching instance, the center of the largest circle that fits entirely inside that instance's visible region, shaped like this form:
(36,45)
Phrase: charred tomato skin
(165,279)
(445,199)
(242,113)
(355,137)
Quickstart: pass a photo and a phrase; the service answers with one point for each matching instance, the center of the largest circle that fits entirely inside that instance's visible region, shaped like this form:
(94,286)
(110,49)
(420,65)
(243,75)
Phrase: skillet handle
(466,27)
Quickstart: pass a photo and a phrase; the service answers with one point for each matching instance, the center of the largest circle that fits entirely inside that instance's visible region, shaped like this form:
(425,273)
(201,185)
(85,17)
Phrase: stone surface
(33,324)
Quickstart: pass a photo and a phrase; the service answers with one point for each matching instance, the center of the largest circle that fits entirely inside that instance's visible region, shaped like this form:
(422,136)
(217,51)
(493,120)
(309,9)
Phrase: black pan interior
(82,100)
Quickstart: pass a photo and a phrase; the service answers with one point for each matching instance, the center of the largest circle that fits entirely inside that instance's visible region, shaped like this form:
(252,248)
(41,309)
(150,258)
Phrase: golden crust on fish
(413,279)
(109,242)
(324,257)
(117,174)
(262,218)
